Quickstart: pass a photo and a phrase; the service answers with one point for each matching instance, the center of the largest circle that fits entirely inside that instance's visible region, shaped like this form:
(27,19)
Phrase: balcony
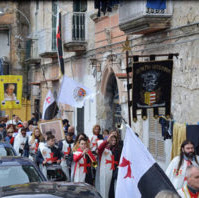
(47,43)
(75,32)
(32,56)
(136,18)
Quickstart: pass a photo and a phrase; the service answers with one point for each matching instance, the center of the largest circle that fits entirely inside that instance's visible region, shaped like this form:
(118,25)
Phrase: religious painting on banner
(152,86)
(54,127)
(10,92)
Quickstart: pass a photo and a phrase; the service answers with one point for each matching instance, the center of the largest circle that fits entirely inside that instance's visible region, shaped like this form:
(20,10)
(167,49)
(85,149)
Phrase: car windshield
(6,151)
(11,175)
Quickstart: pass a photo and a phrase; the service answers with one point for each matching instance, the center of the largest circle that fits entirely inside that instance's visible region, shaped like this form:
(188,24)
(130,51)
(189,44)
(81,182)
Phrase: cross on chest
(52,158)
(36,147)
(112,162)
(85,165)
(68,151)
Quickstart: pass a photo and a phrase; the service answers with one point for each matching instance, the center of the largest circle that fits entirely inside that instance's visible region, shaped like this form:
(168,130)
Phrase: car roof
(51,189)
(14,161)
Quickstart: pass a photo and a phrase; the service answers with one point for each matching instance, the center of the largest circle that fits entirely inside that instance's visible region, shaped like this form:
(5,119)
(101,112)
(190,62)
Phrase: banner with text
(152,86)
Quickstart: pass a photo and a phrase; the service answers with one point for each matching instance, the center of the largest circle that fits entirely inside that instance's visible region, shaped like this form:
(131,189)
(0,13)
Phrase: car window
(11,175)
(6,151)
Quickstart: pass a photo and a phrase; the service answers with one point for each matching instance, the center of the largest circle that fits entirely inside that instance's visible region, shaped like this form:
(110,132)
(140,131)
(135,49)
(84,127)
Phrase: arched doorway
(113,108)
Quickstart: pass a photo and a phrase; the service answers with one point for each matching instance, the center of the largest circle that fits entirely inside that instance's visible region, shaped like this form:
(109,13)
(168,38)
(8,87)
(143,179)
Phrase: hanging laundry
(167,127)
(156,4)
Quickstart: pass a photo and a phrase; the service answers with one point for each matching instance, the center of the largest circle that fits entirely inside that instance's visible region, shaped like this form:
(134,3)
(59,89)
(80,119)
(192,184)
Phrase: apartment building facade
(94,56)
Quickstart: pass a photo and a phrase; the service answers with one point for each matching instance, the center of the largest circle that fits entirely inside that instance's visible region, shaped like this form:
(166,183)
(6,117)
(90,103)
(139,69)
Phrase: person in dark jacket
(2,132)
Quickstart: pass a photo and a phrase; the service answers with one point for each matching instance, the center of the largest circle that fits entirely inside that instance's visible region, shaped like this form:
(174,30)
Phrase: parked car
(50,190)
(20,178)
(6,149)
(18,170)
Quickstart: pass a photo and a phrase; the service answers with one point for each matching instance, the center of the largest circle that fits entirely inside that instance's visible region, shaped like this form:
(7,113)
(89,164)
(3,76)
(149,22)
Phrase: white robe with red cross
(93,143)
(66,149)
(178,179)
(48,156)
(106,167)
(81,165)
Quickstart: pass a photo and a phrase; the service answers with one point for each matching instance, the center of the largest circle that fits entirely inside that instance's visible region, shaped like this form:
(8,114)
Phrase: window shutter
(156,142)
(80,120)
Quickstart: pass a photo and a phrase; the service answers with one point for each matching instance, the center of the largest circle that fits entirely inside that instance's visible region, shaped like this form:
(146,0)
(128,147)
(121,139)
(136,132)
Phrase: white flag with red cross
(139,175)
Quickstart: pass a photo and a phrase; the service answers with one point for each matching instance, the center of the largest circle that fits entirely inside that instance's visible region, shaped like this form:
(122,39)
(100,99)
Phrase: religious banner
(152,86)
(73,93)
(54,127)
(10,92)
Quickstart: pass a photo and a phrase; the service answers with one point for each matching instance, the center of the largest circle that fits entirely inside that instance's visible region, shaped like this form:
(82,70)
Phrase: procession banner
(50,108)
(152,86)
(73,93)
(10,91)
(139,174)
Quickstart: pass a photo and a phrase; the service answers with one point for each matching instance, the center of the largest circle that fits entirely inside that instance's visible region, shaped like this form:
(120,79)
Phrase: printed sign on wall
(10,91)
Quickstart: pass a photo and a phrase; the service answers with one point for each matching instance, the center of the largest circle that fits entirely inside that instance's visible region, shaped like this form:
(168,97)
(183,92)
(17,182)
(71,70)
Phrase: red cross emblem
(125,163)
(85,165)
(58,33)
(68,151)
(112,162)
(95,143)
(36,147)
(52,158)
(48,100)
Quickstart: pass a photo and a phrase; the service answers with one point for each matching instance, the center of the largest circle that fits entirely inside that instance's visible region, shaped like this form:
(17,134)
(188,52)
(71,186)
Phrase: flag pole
(128,94)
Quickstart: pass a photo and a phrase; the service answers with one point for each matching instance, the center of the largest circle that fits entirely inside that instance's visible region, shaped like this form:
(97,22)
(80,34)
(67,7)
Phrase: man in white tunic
(20,141)
(176,170)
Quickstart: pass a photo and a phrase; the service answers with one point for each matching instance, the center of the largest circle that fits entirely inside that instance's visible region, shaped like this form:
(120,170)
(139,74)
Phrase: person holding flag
(109,155)
(139,175)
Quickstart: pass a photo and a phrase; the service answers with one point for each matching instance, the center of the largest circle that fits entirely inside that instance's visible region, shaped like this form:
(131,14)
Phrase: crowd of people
(92,160)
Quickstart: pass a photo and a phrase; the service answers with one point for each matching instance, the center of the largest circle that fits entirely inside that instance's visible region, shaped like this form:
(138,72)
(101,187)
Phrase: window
(79,6)
(156,142)
(54,23)
(78,29)
(11,175)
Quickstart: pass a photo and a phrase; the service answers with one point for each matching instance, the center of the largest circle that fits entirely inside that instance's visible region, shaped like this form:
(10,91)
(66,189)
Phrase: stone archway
(111,100)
